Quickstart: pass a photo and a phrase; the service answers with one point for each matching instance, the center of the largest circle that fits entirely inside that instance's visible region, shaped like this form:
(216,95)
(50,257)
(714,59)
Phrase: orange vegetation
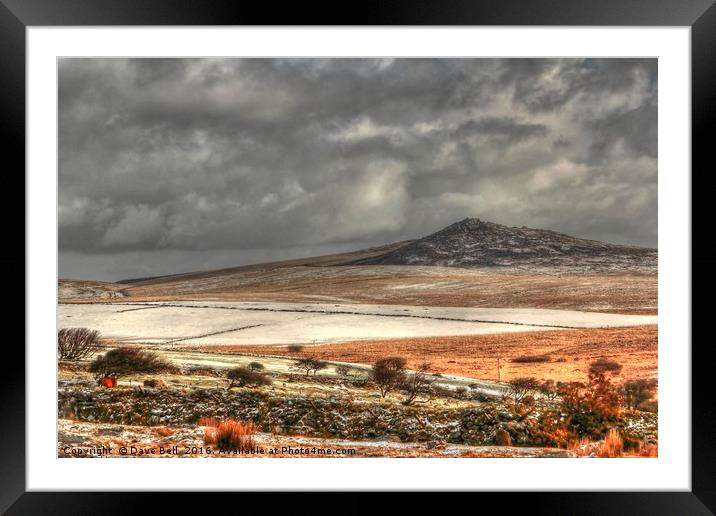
(231,434)
(164,431)
(612,446)
(475,356)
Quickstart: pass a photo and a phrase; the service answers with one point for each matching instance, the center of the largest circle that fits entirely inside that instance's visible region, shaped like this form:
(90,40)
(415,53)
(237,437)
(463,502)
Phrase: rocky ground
(323,411)
(187,441)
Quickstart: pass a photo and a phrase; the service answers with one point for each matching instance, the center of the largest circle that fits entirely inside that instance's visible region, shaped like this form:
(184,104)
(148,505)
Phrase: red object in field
(108,381)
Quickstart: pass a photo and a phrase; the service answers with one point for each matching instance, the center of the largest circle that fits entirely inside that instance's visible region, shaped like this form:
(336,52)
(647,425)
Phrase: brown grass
(581,447)
(475,356)
(163,431)
(208,421)
(648,450)
(612,446)
(316,280)
(231,435)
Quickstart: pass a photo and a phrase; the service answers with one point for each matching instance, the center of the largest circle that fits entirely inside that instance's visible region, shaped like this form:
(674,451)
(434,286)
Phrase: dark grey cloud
(168,165)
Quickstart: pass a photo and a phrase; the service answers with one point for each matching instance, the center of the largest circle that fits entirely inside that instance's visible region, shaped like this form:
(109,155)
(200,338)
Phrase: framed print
(446,249)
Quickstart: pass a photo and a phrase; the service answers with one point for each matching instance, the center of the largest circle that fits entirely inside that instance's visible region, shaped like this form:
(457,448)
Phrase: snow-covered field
(250,323)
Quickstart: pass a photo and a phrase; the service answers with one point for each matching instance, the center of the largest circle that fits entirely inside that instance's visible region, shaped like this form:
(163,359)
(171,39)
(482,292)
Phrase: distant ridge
(469,243)
(476,243)
(471,263)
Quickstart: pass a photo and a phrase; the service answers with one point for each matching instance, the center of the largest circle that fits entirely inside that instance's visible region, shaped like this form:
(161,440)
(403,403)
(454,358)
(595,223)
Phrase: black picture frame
(700,15)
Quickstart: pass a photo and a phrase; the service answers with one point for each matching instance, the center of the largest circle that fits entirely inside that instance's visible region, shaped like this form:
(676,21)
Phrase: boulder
(502,437)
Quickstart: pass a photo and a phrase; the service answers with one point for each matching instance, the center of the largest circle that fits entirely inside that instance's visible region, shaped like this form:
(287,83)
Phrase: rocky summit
(476,243)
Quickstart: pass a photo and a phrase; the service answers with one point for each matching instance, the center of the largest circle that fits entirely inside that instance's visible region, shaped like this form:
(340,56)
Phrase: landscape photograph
(357,257)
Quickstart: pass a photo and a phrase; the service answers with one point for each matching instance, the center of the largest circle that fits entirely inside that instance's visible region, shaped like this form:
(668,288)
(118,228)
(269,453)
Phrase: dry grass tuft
(612,446)
(650,450)
(581,447)
(229,435)
(208,421)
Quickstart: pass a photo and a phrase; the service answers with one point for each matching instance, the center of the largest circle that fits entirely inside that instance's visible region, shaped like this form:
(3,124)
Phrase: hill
(476,243)
(470,264)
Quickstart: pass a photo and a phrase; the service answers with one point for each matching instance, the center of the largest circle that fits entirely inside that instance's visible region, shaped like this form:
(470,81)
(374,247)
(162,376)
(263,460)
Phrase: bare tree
(417,383)
(520,388)
(388,374)
(309,364)
(77,343)
(548,389)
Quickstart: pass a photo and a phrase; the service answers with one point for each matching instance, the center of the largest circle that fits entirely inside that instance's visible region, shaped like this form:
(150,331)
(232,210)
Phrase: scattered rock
(310,416)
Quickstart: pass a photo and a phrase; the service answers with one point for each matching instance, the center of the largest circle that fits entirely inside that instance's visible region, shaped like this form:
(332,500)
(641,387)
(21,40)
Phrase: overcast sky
(174,165)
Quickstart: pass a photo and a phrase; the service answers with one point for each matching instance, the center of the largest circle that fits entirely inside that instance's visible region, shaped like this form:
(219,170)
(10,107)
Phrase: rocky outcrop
(477,243)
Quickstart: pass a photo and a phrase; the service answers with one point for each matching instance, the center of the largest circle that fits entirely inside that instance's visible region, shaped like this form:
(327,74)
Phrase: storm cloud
(173,165)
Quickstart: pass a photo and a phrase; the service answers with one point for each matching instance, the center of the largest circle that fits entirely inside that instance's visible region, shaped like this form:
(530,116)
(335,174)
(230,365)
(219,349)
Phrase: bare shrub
(77,343)
(604,366)
(244,377)
(122,361)
(231,435)
(637,392)
(548,389)
(294,348)
(388,374)
(309,364)
(256,366)
(531,359)
(417,383)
